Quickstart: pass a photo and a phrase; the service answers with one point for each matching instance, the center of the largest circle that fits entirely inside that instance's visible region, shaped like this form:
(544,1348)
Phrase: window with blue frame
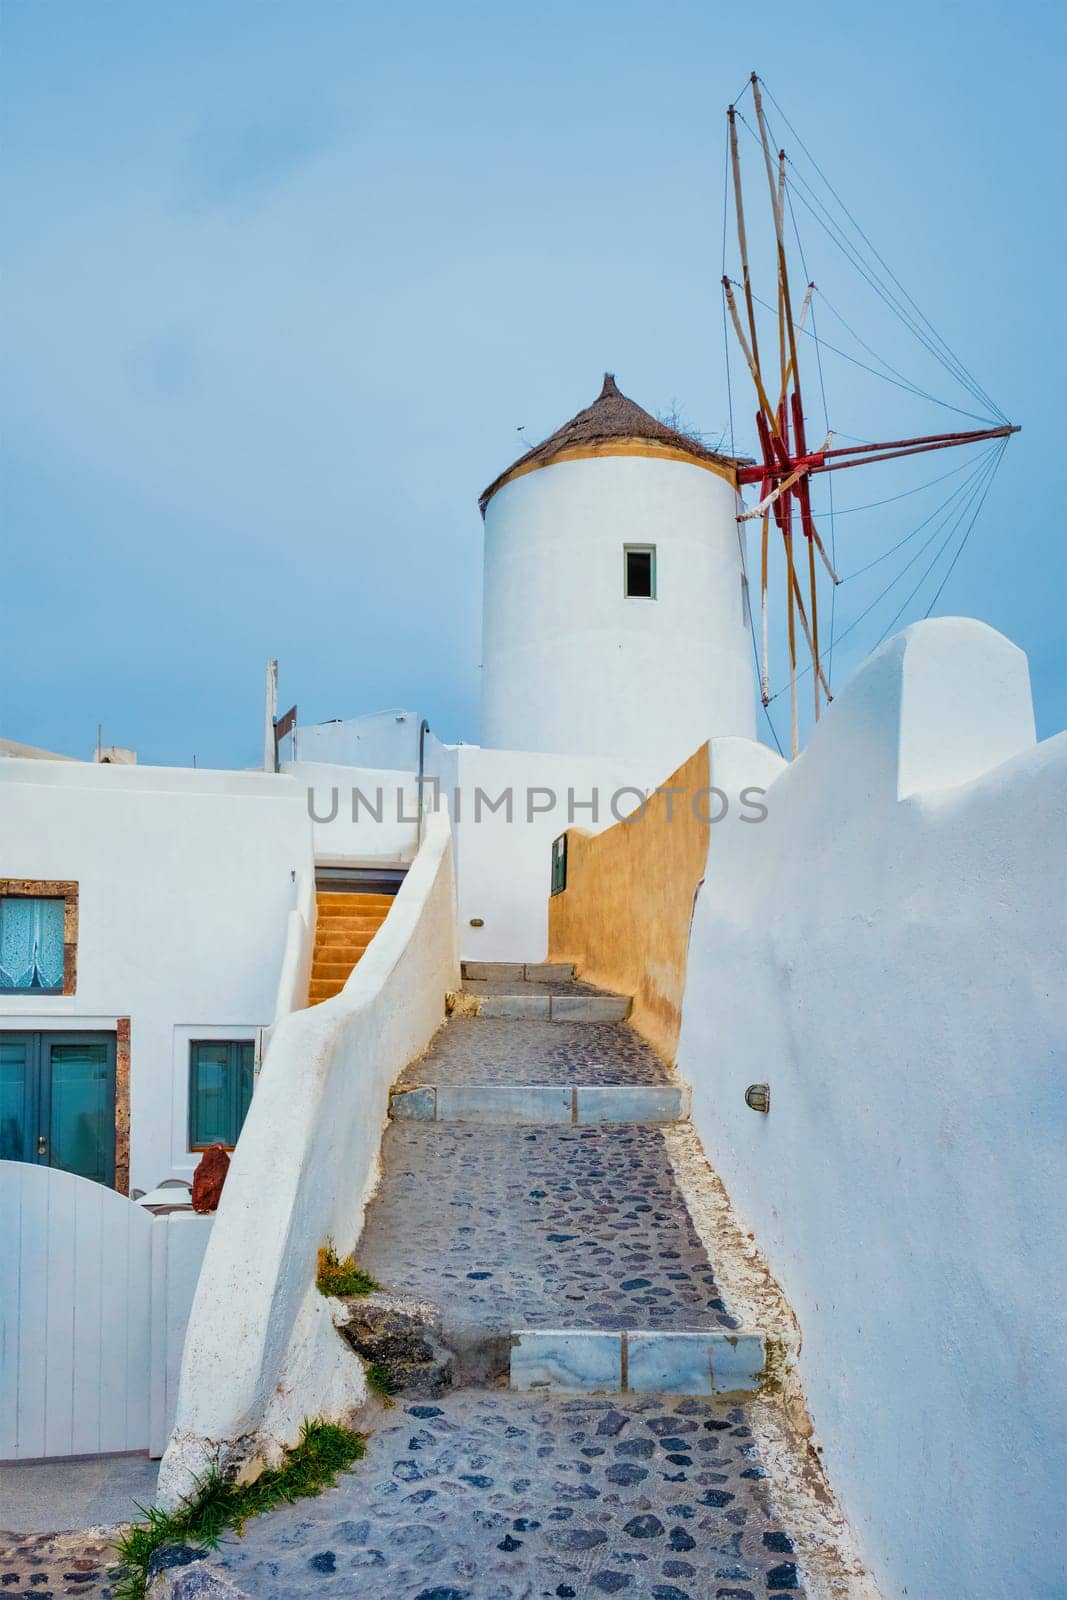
(220,1090)
(31,944)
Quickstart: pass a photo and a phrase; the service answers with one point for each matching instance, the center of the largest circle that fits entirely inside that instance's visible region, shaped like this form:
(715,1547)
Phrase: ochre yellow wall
(624,916)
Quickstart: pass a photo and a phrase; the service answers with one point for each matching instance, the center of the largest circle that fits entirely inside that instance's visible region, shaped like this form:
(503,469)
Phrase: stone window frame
(64,889)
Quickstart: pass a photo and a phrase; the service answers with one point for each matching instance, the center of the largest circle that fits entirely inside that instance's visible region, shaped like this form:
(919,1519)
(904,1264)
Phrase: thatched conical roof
(612,416)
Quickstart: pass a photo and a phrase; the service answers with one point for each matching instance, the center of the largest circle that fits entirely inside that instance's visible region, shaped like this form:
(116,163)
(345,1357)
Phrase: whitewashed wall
(379,739)
(503,865)
(887,950)
(186,880)
(569,662)
(261,1353)
(360,815)
(94,1297)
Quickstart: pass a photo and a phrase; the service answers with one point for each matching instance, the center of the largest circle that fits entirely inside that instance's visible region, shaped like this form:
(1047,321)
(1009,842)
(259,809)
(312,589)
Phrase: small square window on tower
(640,560)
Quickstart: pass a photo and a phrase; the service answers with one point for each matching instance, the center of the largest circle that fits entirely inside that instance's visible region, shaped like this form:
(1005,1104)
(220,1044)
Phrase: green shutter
(559,864)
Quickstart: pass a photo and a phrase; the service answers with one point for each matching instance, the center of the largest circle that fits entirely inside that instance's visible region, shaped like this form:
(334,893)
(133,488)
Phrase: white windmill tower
(615,613)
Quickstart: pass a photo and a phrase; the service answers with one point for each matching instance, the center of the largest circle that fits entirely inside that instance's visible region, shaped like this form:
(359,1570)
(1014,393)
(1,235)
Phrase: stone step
(334,929)
(413,1347)
(324,989)
(480,1050)
(514,1228)
(347,905)
(333,969)
(554,1007)
(629,1361)
(518,971)
(495,1103)
(336,948)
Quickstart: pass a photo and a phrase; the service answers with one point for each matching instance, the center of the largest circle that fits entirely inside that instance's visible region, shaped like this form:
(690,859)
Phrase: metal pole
(424,728)
(270,748)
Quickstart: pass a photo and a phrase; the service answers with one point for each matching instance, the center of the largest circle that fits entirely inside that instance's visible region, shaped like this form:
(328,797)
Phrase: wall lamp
(758,1097)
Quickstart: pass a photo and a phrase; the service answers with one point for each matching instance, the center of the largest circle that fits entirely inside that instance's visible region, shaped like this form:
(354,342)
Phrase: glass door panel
(17,1084)
(57,1101)
(80,1079)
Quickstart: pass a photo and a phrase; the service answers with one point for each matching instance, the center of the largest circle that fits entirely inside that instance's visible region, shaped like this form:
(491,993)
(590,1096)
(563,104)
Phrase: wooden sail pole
(764,664)
(807,632)
(753,365)
(784,517)
(742,239)
(785,302)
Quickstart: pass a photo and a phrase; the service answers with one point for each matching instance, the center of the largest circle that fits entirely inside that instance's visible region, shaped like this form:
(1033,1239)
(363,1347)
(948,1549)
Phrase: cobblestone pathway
(539,1228)
(47,1566)
(484,1493)
(498,1050)
(494,1496)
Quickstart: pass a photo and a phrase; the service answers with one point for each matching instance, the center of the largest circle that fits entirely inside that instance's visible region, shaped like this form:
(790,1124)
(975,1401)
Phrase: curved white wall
(886,949)
(262,1353)
(570,664)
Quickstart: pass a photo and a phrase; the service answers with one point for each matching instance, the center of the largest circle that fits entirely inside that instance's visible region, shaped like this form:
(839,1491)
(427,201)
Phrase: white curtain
(31,943)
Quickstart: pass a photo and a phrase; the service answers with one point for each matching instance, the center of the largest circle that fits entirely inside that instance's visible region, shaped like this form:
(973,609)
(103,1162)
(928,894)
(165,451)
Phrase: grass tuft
(324,1450)
(379,1382)
(337,1277)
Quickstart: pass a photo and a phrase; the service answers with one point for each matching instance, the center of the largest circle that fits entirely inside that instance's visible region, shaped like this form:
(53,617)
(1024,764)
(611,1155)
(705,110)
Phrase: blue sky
(284,281)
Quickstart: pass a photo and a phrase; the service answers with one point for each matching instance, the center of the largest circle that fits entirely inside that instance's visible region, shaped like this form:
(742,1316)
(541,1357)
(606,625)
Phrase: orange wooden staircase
(345,926)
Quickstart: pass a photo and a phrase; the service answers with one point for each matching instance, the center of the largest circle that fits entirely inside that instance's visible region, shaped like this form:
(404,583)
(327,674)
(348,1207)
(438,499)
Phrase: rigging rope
(975,489)
(967,534)
(846,511)
(829,228)
(911,388)
(946,358)
(960,490)
(949,352)
(940,552)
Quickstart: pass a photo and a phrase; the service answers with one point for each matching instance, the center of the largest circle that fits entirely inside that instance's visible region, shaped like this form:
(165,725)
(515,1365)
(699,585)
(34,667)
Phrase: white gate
(94,1296)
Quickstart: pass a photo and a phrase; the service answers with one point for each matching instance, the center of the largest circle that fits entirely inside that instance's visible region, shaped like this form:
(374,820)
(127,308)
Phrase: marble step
(498,1104)
(632,1361)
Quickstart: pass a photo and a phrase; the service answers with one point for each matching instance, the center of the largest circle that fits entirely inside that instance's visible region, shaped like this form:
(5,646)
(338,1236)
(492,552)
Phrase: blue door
(57,1101)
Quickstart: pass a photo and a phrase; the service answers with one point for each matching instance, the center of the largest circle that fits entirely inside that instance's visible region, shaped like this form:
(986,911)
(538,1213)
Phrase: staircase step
(345,905)
(505,1229)
(324,989)
(518,971)
(557,1007)
(343,938)
(632,1361)
(332,969)
(329,927)
(481,1050)
(539,1104)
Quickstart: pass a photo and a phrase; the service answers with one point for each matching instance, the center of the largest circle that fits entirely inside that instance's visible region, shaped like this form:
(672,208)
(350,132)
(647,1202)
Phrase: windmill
(788,462)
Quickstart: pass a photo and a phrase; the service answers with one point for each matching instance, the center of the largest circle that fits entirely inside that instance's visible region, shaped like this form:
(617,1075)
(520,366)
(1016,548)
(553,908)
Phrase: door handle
(42,1145)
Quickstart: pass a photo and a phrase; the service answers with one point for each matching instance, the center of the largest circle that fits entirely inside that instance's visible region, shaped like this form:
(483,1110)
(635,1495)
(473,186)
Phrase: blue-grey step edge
(552,1007)
(576,1361)
(506,1103)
